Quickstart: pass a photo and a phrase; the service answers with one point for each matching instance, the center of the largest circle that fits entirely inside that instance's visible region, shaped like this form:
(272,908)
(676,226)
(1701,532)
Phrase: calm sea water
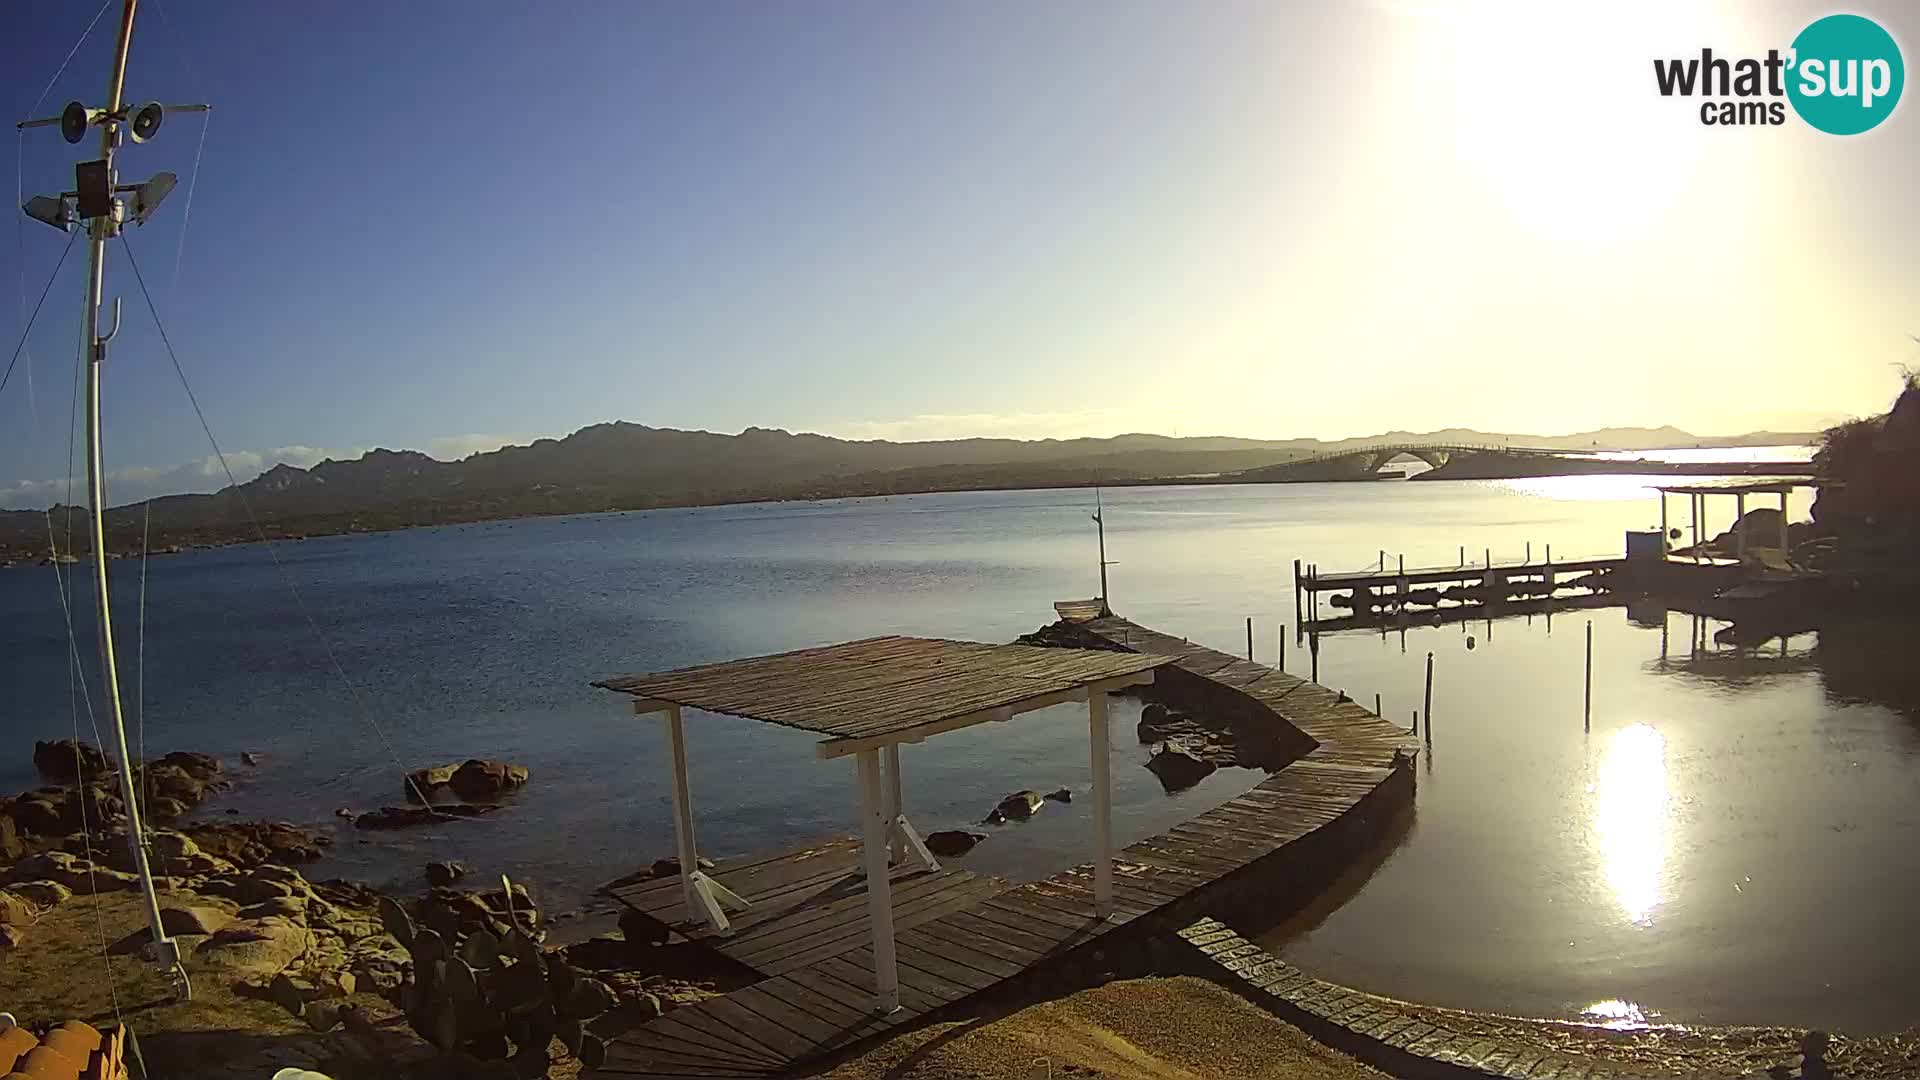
(1731,842)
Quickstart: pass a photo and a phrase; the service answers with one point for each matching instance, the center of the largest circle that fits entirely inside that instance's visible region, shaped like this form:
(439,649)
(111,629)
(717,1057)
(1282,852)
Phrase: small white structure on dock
(868,697)
(1698,492)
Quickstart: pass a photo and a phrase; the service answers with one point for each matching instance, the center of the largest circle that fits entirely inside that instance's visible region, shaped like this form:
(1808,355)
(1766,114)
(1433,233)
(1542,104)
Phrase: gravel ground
(1137,1029)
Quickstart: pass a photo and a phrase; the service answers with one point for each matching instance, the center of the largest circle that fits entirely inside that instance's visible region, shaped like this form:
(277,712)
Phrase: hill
(624,466)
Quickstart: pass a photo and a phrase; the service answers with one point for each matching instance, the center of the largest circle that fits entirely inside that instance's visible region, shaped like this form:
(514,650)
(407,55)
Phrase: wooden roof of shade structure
(867,697)
(1756,485)
(887,690)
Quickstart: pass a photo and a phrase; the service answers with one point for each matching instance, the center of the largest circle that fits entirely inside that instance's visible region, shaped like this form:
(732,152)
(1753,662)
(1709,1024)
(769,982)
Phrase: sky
(450,226)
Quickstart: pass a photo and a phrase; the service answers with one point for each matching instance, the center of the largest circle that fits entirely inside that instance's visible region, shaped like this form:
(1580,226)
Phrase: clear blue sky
(444,225)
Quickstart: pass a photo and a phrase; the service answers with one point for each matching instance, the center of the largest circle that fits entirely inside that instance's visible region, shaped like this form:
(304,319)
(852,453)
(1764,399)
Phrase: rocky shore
(290,970)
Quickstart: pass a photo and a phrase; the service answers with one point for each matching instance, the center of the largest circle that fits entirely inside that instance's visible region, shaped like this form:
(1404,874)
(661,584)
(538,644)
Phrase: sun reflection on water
(1630,819)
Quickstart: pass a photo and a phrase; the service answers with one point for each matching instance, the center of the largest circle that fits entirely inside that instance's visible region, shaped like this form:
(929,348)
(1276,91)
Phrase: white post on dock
(1740,525)
(1102,802)
(1783,519)
(896,844)
(1663,526)
(1699,508)
(706,898)
(873,820)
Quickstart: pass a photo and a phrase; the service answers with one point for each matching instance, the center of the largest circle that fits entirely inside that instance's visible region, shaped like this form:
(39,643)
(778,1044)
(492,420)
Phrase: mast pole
(1100,525)
(100,229)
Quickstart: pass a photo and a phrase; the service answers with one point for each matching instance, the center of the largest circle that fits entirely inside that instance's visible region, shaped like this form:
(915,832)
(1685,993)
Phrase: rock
(292,907)
(590,998)
(163,808)
(16,910)
(69,761)
(1155,721)
(994,817)
(647,1006)
(399,817)
(1020,805)
(263,948)
(167,844)
(10,938)
(73,872)
(484,781)
(164,781)
(204,767)
(250,759)
(420,783)
(337,983)
(11,846)
(952,843)
(444,873)
(1061,795)
(322,1015)
(250,844)
(292,992)
(1178,767)
(44,894)
(195,919)
(343,812)
(37,815)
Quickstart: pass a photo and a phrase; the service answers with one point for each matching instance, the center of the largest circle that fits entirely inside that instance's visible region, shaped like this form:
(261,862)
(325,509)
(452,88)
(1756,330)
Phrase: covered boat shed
(866,698)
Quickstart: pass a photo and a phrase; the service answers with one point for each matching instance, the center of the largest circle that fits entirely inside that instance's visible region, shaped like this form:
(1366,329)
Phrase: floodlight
(53,211)
(147,196)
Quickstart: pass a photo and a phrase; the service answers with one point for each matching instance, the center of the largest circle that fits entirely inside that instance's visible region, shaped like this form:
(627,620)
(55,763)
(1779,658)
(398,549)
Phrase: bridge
(1469,461)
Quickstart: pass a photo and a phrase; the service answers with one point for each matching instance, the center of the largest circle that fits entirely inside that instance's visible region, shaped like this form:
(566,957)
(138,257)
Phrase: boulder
(994,817)
(169,781)
(10,938)
(257,948)
(1061,795)
(195,919)
(167,844)
(484,781)
(202,767)
(1178,767)
(11,846)
(166,808)
(249,844)
(73,872)
(1020,805)
(69,761)
(444,873)
(292,908)
(45,894)
(400,817)
(16,910)
(321,1016)
(292,992)
(952,843)
(38,815)
(1156,722)
(420,783)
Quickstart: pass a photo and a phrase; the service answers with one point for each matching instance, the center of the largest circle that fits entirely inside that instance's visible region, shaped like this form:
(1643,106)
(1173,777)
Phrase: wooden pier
(961,938)
(1487,582)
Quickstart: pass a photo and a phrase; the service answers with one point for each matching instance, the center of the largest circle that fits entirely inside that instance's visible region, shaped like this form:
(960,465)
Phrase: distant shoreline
(298,529)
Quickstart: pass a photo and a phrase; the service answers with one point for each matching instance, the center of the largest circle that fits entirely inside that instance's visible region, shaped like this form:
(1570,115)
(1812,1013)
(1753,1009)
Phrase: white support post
(1740,525)
(706,898)
(873,820)
(1102,802)
(1783,522)
(896,844)
(682,807)
(1663,526)
(903,841)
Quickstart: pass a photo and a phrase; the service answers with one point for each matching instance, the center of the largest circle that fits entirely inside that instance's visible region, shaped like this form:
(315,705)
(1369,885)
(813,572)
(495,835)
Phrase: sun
(1556,117)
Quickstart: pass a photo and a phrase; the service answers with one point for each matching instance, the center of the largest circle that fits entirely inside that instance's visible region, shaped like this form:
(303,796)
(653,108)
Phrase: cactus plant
(495,996)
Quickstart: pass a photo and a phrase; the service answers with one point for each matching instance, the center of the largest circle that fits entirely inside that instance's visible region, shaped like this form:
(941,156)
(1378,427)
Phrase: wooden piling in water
(1376,705)
(1587,710)
(1249,639)
(1426,703)
(1281,656)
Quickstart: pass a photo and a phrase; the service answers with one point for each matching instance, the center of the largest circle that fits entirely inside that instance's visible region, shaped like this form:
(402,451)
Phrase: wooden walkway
(969,936)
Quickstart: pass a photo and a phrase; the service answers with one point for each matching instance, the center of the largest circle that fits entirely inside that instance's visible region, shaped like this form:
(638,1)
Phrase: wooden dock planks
(958,935)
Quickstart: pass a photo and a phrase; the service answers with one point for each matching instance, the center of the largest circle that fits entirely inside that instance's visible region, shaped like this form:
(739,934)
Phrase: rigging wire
(193,180)
(28,329)
(273,550)
(71,53)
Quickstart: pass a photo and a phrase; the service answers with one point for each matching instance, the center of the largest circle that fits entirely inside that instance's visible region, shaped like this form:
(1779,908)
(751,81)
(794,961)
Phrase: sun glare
(1630,819)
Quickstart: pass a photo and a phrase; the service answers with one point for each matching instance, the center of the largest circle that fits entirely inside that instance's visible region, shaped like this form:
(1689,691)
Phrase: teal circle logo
(1845,74)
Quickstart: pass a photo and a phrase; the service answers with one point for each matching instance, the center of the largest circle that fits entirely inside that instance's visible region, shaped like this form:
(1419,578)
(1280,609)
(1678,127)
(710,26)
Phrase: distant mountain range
(622,466)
